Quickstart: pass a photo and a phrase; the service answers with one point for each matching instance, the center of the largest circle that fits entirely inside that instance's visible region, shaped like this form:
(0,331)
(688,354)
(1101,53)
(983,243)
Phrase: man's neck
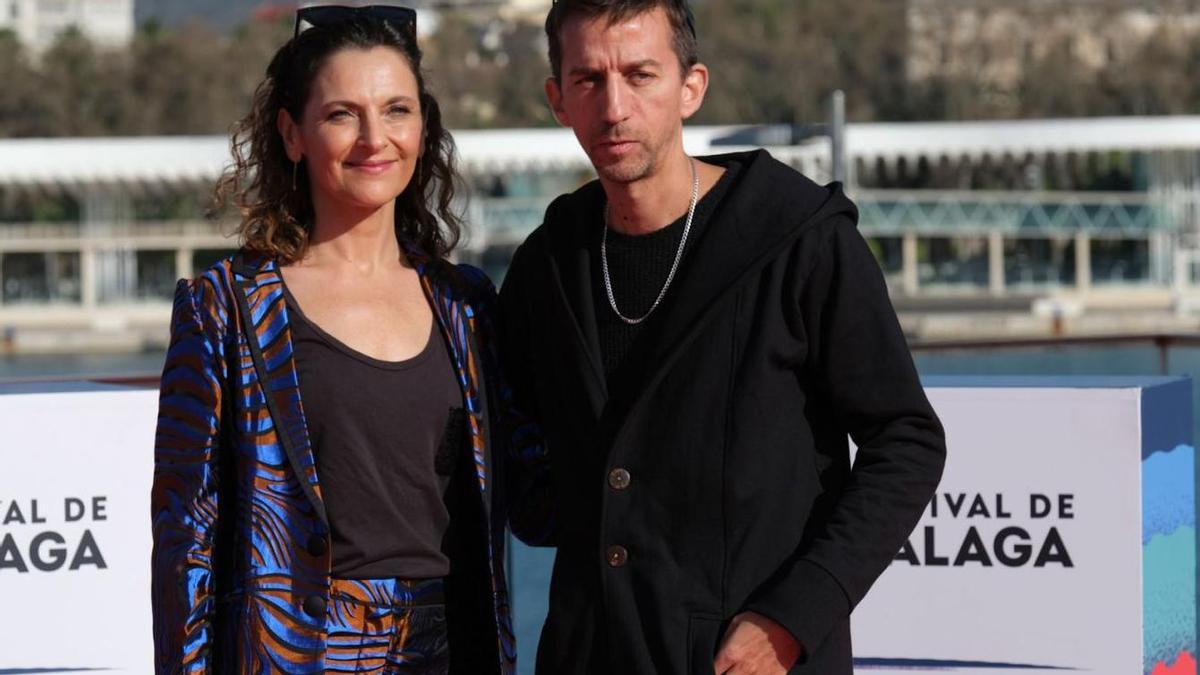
(650,204)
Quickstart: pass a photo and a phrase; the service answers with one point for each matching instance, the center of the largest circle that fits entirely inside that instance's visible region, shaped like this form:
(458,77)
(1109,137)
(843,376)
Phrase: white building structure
(1017,211)
(37,23)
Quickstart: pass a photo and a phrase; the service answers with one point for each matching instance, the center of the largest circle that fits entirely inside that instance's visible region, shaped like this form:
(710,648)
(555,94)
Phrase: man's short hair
(678,13)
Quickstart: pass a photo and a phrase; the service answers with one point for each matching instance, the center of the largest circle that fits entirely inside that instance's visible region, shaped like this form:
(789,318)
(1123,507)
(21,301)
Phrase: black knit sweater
(638,267)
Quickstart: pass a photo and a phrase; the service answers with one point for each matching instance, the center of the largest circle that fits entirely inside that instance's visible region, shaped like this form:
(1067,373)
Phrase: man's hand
(756,645)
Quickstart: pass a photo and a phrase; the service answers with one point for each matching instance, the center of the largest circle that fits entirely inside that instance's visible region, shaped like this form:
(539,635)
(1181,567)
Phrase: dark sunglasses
(403,19)
(691,18)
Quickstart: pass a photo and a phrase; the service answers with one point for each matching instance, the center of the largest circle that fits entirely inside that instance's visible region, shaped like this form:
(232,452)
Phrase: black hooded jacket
(722,483)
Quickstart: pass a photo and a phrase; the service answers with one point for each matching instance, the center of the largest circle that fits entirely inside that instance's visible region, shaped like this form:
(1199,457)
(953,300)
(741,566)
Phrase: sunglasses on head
(691,18)
(403,19)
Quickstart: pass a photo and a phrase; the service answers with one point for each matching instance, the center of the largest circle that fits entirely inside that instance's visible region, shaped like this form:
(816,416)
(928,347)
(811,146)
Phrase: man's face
(622,92)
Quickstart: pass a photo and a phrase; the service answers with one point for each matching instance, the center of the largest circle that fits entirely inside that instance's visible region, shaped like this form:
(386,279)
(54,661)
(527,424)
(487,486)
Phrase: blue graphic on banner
(1169,599)
(1168,492)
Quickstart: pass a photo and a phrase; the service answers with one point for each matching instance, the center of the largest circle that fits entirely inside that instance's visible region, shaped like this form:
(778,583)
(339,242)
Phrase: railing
(1163,343)
(1033,213)
(935,212)
(881,212)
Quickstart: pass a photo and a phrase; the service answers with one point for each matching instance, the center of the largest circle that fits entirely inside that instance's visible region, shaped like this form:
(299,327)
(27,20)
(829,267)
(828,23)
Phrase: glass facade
(41,278)
(155,275)
(1120,261)
(1030,264)
(960,262)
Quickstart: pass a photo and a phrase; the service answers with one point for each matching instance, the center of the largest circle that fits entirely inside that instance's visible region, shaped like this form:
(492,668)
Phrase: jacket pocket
(704,631)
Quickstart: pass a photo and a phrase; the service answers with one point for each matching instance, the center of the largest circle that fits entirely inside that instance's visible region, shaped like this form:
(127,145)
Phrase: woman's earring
(295,166)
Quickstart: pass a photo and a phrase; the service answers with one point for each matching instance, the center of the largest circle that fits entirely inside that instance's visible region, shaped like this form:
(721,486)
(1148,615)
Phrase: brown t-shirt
(379,430)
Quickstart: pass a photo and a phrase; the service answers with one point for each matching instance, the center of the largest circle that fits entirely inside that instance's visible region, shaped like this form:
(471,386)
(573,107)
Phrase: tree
(22,112)
(778,62)
(771,61)
(72,90)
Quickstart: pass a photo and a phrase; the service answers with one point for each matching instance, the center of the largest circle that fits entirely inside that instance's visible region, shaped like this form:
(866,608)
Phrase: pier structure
(95,232)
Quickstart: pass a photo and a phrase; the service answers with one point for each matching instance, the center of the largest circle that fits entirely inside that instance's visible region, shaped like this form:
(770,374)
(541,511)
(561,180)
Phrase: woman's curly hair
(276,220)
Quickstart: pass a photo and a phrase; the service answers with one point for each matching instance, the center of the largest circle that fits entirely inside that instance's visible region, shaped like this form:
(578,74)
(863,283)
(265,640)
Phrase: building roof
(80,162)
(74,163)
(1019,137)
(162,160)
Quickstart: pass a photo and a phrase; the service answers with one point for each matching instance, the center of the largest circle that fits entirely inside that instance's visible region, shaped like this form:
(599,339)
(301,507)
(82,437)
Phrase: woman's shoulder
(478,289)
(213,287)
(460,281)
(476,280)
(240,265)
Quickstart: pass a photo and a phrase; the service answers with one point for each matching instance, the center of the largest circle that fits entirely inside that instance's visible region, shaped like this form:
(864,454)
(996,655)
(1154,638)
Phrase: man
(698,338)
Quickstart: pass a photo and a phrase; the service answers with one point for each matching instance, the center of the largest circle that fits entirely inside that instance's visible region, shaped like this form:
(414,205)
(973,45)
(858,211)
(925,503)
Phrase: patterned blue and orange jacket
(241,560)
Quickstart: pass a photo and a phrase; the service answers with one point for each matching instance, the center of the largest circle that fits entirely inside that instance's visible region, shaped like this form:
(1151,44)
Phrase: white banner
(1031,555)
(1054,502)
(75,471)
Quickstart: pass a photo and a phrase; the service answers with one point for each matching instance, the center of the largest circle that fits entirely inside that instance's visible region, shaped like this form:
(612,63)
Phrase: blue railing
(896,212)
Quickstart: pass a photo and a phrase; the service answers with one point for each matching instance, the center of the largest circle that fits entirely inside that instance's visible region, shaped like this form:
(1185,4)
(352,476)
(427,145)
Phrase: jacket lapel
(450,296)
(572,303)
(456,319)
(264,320)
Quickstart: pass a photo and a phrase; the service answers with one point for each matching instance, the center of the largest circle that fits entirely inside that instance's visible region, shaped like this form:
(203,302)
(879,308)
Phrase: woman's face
(361,130)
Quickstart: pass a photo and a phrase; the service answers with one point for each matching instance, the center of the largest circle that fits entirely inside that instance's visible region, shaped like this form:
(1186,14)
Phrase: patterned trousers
(388,626)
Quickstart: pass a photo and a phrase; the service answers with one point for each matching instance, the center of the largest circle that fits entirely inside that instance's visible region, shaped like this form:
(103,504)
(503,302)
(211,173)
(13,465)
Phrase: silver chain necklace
(687,227)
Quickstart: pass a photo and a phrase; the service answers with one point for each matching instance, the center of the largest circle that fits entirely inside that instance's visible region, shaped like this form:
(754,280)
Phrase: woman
(325,498)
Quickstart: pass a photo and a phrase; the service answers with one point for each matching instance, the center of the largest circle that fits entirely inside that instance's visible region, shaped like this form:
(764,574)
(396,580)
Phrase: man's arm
(530,493)
(860,360)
